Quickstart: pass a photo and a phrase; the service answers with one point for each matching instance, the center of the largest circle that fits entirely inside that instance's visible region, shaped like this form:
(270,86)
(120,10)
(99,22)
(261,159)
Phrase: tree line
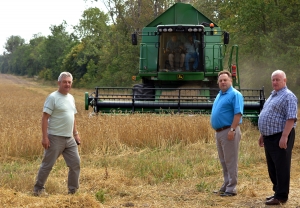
(98,52)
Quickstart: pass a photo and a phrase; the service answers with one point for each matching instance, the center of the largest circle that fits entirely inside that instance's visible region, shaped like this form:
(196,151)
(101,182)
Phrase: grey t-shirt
(61,109)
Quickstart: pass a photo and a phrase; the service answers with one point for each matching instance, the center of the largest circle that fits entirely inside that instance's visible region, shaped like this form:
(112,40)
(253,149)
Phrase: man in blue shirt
(226,116)
(277,122)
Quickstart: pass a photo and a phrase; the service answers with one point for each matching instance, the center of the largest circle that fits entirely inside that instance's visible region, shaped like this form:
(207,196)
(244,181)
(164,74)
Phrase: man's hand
(77,139)
(261,141)
(283,142)
(177,50)
(46,143)
(231,135)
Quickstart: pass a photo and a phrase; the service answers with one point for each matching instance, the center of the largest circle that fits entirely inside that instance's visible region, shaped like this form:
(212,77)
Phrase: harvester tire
(144,92)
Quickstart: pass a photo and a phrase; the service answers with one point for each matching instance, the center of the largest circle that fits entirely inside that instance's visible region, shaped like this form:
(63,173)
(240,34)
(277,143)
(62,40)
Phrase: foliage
(84,59)
(13,42)
(56,46)
(265,31)
(100,196)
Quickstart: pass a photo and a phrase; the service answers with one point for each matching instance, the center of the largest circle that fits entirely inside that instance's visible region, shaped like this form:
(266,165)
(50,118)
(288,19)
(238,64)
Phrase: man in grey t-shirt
(59,135)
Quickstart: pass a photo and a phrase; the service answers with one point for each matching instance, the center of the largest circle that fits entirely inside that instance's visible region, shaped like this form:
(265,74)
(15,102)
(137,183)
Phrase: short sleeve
(49,105)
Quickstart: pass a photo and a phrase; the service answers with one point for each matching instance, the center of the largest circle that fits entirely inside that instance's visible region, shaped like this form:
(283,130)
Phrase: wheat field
(140,160)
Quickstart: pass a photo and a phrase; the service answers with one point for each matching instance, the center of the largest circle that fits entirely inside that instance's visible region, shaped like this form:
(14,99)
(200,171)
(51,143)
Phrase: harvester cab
(181,54)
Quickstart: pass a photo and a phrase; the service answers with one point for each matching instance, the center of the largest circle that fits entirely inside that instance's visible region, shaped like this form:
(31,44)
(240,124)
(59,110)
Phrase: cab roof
(180,13)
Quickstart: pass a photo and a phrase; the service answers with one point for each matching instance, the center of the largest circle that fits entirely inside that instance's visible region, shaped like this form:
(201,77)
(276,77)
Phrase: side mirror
(133,39)
(226,38)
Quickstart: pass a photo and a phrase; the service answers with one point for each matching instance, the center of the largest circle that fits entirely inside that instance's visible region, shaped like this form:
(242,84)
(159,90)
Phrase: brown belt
(223,128)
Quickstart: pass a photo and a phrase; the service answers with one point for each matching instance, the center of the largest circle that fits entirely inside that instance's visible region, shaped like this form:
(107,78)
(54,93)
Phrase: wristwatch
(232,129)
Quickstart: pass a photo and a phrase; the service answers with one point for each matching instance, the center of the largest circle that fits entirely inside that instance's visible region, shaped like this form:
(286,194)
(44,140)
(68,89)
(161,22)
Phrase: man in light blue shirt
(226,116)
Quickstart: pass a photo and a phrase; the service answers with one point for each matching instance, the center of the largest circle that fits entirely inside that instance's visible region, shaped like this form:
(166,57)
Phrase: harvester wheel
(86,100)
(143,92)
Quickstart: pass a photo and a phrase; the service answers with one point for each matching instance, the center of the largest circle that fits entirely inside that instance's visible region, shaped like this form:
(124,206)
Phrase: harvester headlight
(200,29)
(165,30)
(190,30)
(170,30)
(195,30)
(160,30)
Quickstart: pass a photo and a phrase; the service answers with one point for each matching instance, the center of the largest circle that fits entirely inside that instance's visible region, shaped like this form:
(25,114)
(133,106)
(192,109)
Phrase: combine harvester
(177,90)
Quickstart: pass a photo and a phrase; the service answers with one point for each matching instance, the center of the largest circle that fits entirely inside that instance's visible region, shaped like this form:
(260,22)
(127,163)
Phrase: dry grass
(127,160)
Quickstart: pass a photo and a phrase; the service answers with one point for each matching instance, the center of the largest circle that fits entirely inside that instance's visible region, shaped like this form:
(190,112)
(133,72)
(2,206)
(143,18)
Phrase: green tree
(56,46)
(13,42)
(265,32)
(36,54)
(84,58)
(4,66)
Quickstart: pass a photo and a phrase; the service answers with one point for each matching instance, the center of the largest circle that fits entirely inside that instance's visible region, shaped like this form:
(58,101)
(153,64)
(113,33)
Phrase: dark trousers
(279,163)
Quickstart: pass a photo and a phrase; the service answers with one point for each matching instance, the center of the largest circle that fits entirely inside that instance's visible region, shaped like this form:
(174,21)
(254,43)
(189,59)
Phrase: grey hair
(279,72)
(65,74)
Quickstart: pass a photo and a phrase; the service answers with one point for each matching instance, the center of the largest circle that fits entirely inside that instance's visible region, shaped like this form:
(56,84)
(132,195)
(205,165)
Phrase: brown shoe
(269,197)
(275,201)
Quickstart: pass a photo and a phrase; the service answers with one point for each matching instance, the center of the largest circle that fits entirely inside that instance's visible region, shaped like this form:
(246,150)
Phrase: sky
(25,18)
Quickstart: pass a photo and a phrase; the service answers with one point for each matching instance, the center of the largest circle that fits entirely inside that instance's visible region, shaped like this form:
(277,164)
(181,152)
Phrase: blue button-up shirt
(279,107)
(225,106)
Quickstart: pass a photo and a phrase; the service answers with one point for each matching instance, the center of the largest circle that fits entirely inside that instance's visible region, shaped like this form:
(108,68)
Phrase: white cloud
(28,17)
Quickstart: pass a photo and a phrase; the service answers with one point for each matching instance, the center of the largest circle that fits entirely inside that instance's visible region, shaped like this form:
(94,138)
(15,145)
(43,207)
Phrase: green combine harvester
(165,83)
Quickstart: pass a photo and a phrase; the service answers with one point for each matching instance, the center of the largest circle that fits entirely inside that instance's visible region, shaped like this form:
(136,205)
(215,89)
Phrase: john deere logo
(180,76)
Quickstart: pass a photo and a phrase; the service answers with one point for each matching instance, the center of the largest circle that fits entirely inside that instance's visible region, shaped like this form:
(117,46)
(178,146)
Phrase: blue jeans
(188,56)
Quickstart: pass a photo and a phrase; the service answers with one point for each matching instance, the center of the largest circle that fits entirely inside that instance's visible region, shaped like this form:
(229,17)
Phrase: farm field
(147,160)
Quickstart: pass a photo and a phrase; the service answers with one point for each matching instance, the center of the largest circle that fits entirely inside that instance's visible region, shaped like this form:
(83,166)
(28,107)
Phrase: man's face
(64,86)
(278,82)
(224,82)
(174,38)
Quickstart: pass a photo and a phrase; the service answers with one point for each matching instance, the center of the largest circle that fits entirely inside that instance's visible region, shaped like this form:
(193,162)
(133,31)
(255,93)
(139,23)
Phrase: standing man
(226,116)
(59,135)
(276,124)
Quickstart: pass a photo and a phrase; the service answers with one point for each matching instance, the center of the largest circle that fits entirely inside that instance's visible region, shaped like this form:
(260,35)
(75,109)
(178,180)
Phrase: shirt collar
(274,93)
(227,91)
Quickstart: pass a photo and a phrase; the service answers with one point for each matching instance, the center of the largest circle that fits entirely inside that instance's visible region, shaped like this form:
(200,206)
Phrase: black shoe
(269,197)
(72,191)
(219,192)
(228,194)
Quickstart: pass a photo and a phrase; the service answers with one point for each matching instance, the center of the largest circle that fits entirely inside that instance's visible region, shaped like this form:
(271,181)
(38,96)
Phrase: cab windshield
(179,51)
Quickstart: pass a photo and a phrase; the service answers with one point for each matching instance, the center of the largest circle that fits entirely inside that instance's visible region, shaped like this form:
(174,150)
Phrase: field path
(11,79)
(41,88)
